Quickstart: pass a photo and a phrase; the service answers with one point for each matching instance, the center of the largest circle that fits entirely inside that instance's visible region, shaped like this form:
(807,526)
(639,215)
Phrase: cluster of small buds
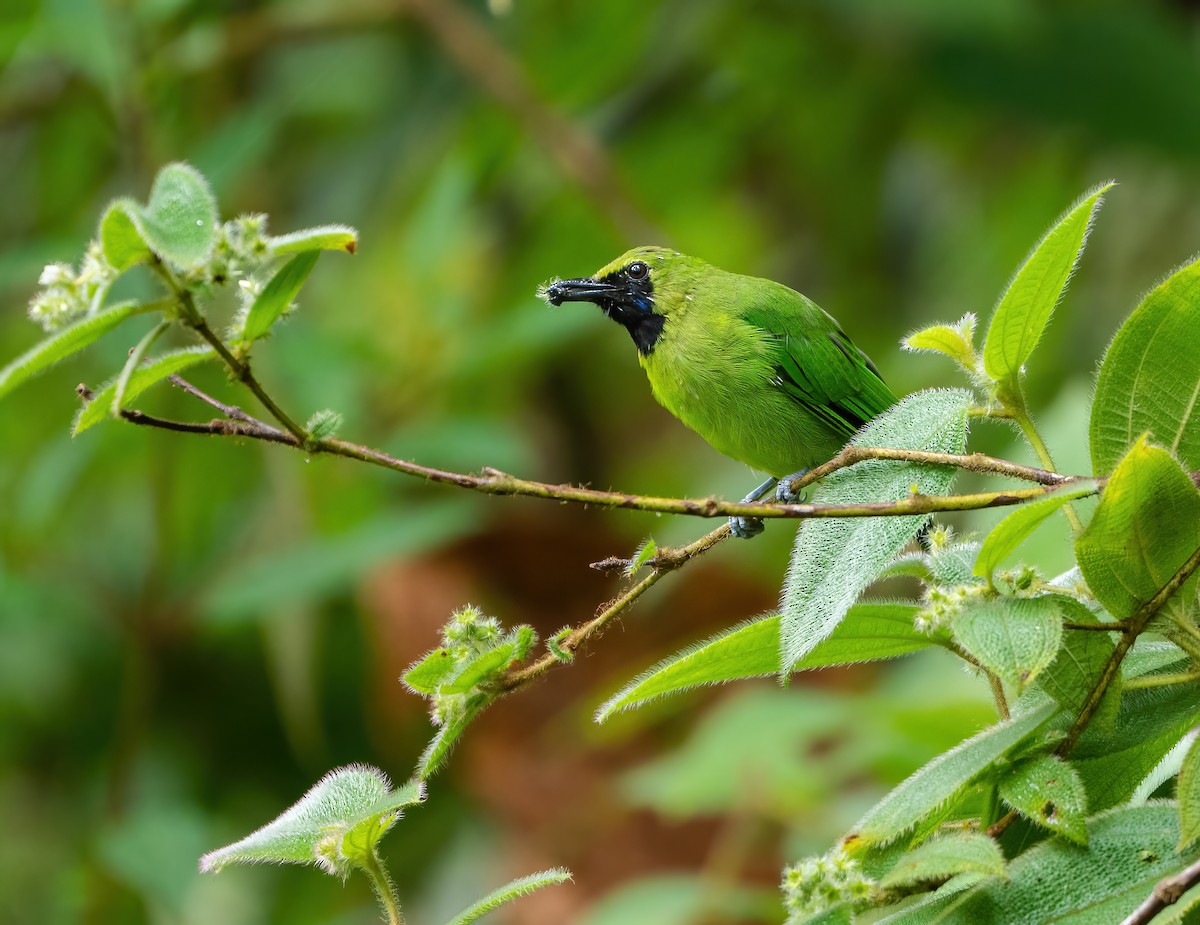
(469,632)
(1019,579)
(942,605)
(445,708)
(240,250)
(65,295)
(815,884)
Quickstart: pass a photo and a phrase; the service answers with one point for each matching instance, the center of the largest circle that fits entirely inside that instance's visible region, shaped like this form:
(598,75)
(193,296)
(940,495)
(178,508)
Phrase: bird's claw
(784,493)
(746,527)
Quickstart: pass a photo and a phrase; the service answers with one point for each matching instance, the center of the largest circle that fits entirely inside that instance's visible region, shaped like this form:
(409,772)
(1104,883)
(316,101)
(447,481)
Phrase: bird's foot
(784,493)
(746,527)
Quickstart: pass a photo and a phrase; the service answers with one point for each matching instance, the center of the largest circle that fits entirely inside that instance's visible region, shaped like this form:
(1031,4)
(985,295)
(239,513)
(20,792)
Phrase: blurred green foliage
(170,606)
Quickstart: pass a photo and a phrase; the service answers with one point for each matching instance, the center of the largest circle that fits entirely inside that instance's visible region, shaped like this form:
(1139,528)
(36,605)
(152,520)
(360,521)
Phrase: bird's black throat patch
(633,306)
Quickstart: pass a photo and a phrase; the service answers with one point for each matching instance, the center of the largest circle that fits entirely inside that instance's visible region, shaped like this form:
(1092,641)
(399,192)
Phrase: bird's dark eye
(637,270)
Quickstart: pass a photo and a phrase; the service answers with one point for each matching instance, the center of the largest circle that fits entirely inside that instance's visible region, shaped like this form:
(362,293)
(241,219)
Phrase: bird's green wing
(819,367)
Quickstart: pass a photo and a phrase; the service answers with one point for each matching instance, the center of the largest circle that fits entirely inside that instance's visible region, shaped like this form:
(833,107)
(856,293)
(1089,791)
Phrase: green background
(192,631)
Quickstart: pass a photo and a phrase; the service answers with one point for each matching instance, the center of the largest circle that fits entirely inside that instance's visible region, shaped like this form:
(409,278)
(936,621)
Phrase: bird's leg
(784,493)
(746,527)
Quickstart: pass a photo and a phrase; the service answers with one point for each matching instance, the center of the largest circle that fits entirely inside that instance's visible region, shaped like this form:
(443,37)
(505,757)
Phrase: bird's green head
(641,289)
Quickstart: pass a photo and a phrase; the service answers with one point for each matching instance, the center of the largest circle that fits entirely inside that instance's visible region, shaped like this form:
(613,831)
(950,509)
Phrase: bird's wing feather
(819,367)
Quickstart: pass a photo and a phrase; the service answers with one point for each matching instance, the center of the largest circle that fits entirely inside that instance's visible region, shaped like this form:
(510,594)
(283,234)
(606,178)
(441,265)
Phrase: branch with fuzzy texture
(1165,893)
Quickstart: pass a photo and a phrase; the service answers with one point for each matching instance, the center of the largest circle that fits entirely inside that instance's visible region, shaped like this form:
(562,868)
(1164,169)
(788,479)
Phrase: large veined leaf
(1130,849)
(835,559)
(1026,306)
(1048,791)
(1013,637)
(1149,381)
(946,776)
(870,631)
(1146,526)
(63,344)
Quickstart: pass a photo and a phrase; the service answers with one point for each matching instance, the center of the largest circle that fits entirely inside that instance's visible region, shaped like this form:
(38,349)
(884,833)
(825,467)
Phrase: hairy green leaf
(334,825)
(1188,793)
(835,559)
(447,736)
(140,379)
(321,238)
(869,632)
(120,235)
(944,856)
(179,221)
(425,676)
(946,776)
(955,341)
(1049,792)
(277,295)
(62,344)
(1149,381)
(1007,535)
(512,890)
(1130,849)
(1026,306)
(1013,637)
(1079,662)
(480,668)
(1146,526)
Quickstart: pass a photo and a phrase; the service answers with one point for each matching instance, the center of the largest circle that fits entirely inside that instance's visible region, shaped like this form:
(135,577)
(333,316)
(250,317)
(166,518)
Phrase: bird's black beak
(581,290)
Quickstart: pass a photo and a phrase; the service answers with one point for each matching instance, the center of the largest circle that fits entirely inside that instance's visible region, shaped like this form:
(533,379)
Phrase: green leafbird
(755,368)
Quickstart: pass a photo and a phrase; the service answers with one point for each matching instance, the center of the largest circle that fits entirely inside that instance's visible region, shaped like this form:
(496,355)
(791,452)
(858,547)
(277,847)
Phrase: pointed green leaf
(179,221)
(512,890)
(1025,308)
(1188,793)
(1149,381)
(1007,535)
(425,676)
(645,553)
(943,856)
(1146,526)
(1130,850)
(955,341)
(321,238)
(946,776)
(354,800)
(1013,637)
(751,650)
(120,237)
(158,369)
(480,669)
(835,559)
(1048,791)
(443,742)
(62,344)
(277,295)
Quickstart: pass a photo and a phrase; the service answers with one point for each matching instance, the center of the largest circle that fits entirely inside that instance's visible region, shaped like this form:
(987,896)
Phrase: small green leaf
(424,676)
(58,346)
(321,238)
(946,776)
(1013,529)
(512,890)
(1025,308)
(1013,637)
(357,801)
(869,632)
(480,669)
(120,234)
(169,364)
(1188,793)
(1150,378)
(1130,850)
(277,295)
(942,857)
(438,750)
(179,221)
(1048,791)
(835,559)
(648,551)
(1145,527)
(955,341)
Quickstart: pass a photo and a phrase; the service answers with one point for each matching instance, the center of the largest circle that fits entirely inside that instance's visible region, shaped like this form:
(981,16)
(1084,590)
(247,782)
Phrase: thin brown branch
(1165,893)
(1135,625)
